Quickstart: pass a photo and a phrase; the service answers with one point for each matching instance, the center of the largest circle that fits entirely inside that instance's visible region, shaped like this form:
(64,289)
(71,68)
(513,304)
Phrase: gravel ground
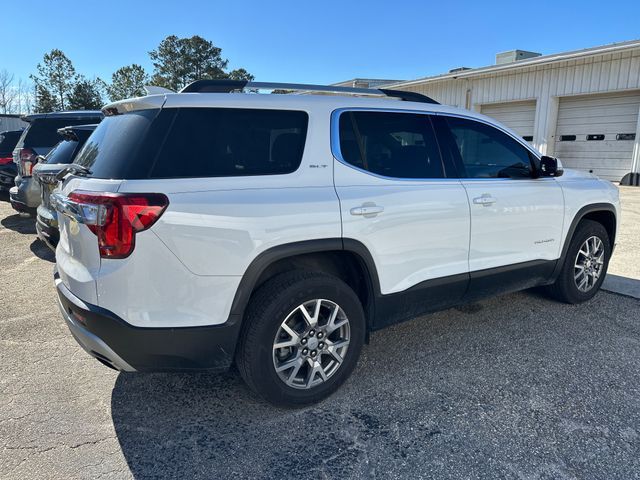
(513,387)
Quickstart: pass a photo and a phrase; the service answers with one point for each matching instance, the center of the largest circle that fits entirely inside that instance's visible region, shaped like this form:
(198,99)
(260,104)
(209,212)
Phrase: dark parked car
(45,173)
(37,140)
(8,171)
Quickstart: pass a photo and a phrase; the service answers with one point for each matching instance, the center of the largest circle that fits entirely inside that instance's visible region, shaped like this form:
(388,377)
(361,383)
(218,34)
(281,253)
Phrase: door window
(399,145)
(485,152)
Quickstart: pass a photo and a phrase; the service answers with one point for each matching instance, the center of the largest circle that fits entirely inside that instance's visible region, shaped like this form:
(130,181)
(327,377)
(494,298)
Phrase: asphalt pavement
(516,387)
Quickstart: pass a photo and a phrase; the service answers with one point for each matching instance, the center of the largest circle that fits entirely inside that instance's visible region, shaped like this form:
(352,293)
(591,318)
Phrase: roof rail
(228,86)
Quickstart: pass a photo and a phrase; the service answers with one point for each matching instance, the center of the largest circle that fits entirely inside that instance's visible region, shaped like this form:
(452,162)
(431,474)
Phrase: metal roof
(542,60)
(369,82)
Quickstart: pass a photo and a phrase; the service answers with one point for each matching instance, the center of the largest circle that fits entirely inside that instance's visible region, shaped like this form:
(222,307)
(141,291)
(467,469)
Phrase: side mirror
(549,167)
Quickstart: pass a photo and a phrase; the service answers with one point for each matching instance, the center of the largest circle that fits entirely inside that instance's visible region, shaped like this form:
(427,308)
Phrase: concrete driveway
(513,387)
(624,269)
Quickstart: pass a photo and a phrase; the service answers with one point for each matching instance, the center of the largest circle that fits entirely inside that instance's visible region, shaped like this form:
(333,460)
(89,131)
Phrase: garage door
(596,133)
(519,116)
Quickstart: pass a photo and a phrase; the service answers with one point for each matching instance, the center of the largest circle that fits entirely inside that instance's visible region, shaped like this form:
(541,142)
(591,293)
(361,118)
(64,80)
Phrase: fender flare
(593,207)
(259,264)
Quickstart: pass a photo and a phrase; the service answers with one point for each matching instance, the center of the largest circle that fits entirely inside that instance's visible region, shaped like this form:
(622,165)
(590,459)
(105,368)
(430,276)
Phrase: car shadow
(42,251)
(20,224)
(428,396)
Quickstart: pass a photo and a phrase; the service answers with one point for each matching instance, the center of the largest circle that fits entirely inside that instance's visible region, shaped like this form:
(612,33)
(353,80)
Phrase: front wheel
(585,264)
(302,338)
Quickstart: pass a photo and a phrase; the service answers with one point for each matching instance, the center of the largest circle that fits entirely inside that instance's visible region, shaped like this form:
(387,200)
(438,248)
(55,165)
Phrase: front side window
(398,145)
(486,152)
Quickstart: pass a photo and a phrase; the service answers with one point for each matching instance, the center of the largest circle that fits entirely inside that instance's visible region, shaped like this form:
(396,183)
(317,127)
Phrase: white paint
(423,232)
(524,223)
(186,269)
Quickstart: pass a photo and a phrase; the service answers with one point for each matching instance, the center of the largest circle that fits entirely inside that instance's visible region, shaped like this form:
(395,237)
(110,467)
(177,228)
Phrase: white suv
(205,227)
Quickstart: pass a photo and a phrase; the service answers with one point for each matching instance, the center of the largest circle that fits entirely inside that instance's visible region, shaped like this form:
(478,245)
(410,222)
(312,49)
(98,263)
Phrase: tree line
(57,86)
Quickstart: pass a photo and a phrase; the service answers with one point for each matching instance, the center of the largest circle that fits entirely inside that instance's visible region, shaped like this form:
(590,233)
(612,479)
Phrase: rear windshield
(43,132)
(196,142)
(62,152)
(124,146)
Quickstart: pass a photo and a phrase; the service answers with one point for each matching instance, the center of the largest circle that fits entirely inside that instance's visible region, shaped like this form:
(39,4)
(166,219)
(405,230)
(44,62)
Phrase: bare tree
(24,97)
(7,92)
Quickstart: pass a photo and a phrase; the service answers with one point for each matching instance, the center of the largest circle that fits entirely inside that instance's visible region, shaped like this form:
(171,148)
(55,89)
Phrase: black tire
(268,308)
(565,288)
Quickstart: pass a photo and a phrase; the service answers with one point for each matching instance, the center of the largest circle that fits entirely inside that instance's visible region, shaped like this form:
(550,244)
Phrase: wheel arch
(603,213)
(347,259)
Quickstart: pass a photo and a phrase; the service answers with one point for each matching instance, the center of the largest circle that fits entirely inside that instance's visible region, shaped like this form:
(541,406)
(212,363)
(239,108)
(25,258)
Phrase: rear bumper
(7,176)
(17,203)
(124,347)
(47,227)
(27,192)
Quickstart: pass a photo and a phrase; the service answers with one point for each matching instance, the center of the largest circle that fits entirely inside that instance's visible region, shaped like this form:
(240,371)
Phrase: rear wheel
(585,264)
(302,338)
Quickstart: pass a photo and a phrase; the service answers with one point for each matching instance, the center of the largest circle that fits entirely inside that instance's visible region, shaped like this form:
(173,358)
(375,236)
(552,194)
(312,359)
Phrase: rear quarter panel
(217,226)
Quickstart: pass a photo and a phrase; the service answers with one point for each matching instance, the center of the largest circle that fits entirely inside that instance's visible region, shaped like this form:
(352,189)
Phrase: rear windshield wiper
(74,169)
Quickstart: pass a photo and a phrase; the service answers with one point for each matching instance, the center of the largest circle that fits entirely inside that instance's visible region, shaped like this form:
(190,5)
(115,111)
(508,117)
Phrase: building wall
(591,74)
(10,122)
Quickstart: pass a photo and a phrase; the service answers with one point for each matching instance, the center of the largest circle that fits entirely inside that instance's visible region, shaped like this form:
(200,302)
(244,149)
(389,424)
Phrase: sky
(311,42)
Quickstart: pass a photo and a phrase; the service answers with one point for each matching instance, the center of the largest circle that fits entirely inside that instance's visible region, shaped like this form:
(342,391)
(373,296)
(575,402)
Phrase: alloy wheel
(311,343)
(589,264)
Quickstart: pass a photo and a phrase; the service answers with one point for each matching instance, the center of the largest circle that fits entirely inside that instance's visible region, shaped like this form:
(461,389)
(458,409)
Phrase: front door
(516,218)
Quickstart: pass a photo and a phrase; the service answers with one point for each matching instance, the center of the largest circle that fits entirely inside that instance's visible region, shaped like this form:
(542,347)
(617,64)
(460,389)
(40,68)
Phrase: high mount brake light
(115,218)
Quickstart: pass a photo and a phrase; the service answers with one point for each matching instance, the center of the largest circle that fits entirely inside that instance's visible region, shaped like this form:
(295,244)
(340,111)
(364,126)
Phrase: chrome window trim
(337,154)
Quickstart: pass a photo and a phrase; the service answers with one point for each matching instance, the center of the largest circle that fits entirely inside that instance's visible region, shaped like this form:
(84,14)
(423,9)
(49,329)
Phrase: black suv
(45,173)
(8,141)
(37,140)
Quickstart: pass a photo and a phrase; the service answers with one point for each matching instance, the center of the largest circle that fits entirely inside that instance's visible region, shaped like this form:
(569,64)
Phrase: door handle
(367,210)
(485,200)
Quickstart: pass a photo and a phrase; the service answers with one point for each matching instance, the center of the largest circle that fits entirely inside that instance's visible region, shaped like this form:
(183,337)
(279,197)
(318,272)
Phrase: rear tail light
(115,218)
(28,160)
(6,160)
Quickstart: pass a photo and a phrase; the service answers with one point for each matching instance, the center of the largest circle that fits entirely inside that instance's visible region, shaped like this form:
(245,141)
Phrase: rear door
(398,200)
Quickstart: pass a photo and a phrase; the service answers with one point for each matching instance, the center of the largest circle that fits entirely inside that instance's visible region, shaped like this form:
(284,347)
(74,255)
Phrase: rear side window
(221,142)
(399,145)
(486,152)
(62,153)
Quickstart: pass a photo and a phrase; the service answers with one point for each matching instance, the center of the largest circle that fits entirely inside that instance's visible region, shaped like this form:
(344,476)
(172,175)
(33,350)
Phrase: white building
(11,122)
(581,106)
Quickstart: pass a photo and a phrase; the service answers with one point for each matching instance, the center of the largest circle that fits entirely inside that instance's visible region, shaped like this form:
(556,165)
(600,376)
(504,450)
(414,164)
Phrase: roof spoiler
(228,86)
(68,134)
(153,90)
